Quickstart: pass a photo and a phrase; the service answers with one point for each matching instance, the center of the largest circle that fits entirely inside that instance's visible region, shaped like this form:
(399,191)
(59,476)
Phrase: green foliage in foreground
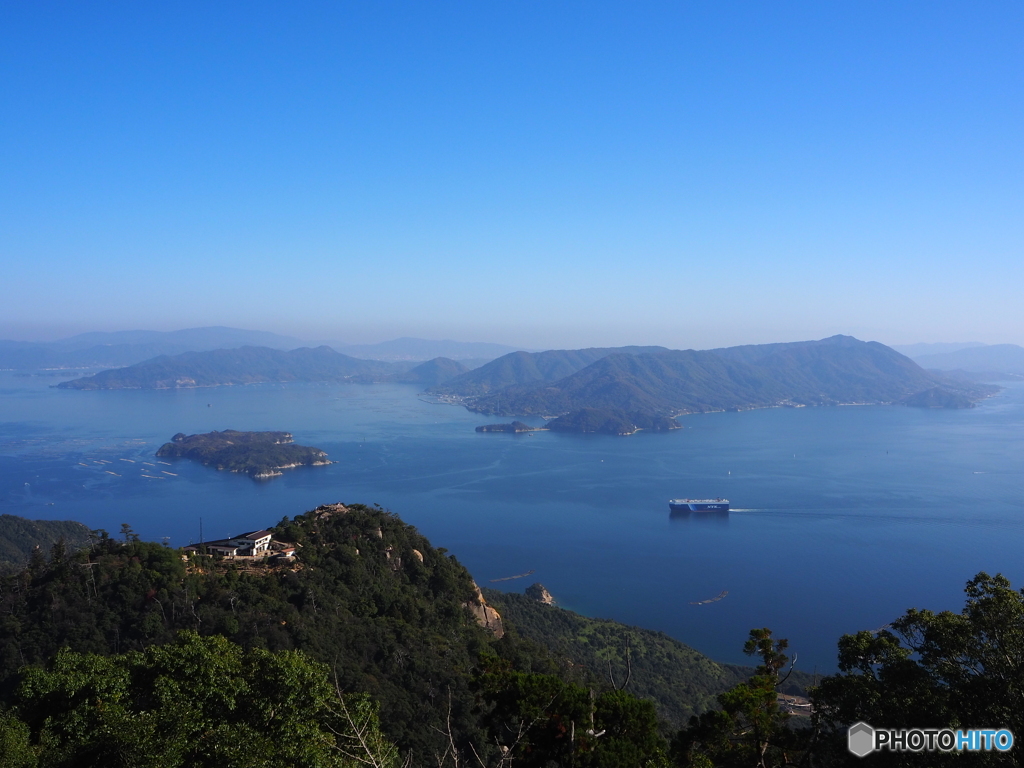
(933,670)
(750,728)
(543,721)
(930,670)
(194,702)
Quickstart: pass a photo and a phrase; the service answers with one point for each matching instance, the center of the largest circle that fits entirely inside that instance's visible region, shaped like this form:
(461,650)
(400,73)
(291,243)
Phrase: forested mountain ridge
(830,371)
(126,654)
(524,368)
(247,365)
(665,383)
(367,595)
(358,597)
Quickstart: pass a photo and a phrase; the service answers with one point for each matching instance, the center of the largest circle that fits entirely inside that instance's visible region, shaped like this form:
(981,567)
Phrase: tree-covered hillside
(391,616)
(359,598)
(836,370)
(529,368)
(95,669)
(681,681)
(19,536)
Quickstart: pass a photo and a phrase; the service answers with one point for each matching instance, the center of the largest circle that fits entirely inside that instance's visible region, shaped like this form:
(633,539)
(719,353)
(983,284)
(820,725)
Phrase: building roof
(254,535)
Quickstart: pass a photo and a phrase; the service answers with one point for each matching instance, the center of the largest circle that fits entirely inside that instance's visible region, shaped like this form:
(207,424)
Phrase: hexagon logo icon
(860,739)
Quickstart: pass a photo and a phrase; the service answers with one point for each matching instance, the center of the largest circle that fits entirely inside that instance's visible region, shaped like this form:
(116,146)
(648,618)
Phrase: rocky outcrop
(540,594)
(329,510)
(485,616)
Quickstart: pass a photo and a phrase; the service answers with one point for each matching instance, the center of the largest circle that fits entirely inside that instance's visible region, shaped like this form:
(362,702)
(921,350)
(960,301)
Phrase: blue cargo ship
(698,505)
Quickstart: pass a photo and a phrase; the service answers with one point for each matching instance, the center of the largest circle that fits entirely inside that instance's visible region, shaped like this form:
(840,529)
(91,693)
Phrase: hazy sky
(535,173)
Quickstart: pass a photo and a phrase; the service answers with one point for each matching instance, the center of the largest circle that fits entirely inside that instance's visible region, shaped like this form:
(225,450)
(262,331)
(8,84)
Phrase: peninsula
(258,454)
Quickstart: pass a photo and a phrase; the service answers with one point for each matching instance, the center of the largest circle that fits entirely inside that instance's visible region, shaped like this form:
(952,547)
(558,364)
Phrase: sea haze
(845,516)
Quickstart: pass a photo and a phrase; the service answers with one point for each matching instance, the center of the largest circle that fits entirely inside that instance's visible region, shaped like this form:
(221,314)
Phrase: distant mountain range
(405,349)
(121,348)
(108,350)
(251,365)
(997,358)
(653,380)
(913,351)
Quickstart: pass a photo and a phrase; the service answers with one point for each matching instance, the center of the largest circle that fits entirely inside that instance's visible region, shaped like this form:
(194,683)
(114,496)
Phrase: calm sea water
(843,517)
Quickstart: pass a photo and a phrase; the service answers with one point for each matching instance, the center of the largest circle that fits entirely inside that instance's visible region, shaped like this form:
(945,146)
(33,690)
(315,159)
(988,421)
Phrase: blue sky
(534,173)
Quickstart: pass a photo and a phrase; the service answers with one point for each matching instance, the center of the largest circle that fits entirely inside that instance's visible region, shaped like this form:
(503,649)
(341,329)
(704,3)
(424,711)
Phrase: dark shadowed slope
(681,681)
(19,536)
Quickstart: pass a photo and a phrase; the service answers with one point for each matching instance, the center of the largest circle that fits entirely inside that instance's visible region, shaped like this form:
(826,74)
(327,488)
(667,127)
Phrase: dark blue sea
(843,517)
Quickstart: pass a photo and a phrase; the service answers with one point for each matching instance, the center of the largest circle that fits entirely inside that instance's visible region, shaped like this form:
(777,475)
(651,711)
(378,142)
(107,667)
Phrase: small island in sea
(258,454)
(515,426)
(611,421)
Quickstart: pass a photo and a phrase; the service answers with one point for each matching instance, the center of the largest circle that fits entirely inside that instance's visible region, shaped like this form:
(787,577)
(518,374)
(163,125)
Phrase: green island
(370,646)
(611,421)
(515,426)
(260,455)
(653,380)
